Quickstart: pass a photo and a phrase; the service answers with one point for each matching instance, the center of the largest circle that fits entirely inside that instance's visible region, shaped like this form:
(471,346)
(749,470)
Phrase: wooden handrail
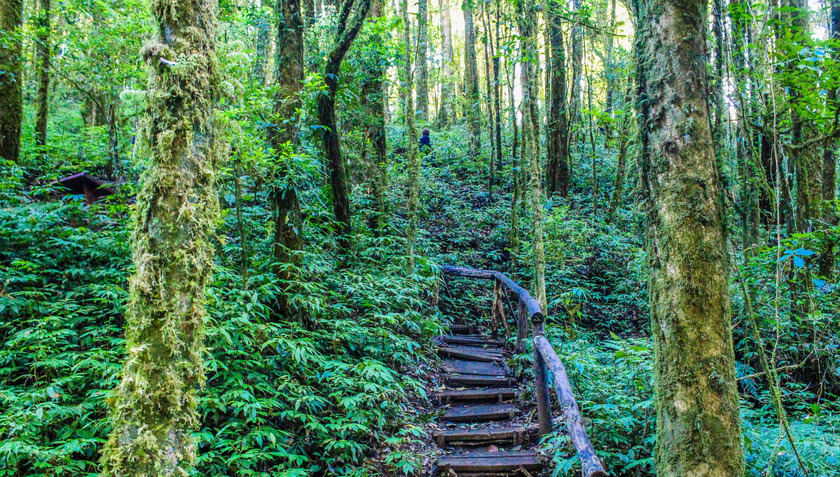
(545,360)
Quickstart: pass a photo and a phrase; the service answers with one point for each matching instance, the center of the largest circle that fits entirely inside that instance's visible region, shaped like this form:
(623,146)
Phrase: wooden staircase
(477,412)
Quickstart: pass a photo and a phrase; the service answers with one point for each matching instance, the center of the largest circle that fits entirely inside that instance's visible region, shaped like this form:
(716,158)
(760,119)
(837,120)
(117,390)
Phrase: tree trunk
(11,81)
(557,172)
(348,29)
(373,98)
(43,104)
(473,110)
(497,101)
(154,408)
(263,44)
(609,74)
(623,140)
(411,148)
(527,17)
(696,396)
(282,137)
(447,87)
(577,68)
(489,98)
(422,58)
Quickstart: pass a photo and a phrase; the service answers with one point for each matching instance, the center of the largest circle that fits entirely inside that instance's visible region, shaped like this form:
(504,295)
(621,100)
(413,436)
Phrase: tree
(447,87)
(44,49)
(374,91)
(11,81)
(422,57)
(411,134)
(527,18)
(473,109)
(698,428)
(557,130)
(351,17)
(283,131)
(154,409)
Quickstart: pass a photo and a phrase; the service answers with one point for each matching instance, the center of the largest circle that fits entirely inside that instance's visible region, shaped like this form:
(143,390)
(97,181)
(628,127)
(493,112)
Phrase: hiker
(425,142)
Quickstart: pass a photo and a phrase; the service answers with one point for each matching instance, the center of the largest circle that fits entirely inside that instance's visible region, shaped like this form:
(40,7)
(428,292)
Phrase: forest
(277,237)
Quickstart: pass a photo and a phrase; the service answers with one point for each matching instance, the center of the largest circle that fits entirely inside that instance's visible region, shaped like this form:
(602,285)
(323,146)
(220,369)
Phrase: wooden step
(497,394)
(472,340)
(513,436)
(478,380)
(479,412)
(474,367)
(461,329)
(492,462)
(470,354)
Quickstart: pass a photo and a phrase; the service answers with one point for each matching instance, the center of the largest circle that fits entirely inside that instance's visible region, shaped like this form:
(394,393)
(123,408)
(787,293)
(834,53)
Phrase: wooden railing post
(521,328)
(494,315)
(541,381)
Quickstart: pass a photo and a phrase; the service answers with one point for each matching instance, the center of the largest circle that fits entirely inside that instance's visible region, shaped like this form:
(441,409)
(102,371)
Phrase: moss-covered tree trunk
(373,98)
(698,430)
(422,58)
(413,154)
(282,137)
(154,407)
(351,17)
(557,170)
(473,101)
(829,185)
(11,84)
(577,67)
(263,46)
(527,18)
(43,94)
(447,87)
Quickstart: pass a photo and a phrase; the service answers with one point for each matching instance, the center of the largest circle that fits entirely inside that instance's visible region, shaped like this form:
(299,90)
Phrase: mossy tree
(447,88)
(373,95)
(11,81)
(422,58)
(282,137)
(413,155)
(473,109)
(154,407)
(557,129)
(698,431)
(44,52)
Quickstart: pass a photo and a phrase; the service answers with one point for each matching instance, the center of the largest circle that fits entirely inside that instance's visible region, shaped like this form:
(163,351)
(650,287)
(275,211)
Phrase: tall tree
(374,92)
(473,109)
(577,65)
(282,137)
(527,18)
(351,17)
(43,94)
(11,84)
(447,87)
(422,58)
(698,428)
(413,155)
(154,410)
(557,129)
(263,45)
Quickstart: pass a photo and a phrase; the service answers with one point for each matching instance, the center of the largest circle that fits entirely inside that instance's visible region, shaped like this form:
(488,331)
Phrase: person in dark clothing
(425,142)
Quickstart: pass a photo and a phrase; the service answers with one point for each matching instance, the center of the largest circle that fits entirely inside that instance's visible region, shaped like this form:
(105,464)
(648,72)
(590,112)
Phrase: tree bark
(473,109)
(44,49)
(263,44)
(11,81)
(413,155)
(447,87)
(154,408)
(557,173)
(527,17)
(351,16)
(488,75)
(282,137)
(422,58)
(373,98)
(829,186)
(698,424)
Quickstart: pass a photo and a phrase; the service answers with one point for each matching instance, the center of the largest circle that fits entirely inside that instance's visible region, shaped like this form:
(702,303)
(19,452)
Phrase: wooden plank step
(478,380)
(513,436)
(461,329)
(472,340)
(495,394)
(497,462)
(479,412)
(474,367)
(470,354)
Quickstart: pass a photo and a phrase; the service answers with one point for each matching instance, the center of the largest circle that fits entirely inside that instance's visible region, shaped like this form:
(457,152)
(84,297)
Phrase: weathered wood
(490,461)
(571,413)
(461,329)
(472,340)
(469,354)
(514,435)
(479,412)
(499,307)
(474,367)
(478,380)
(493,394)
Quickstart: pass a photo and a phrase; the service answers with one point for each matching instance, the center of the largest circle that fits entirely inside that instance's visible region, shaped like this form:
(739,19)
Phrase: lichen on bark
(153,410)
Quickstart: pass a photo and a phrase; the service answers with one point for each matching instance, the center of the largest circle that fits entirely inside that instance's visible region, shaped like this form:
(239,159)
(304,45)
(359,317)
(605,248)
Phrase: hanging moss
(153,409)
